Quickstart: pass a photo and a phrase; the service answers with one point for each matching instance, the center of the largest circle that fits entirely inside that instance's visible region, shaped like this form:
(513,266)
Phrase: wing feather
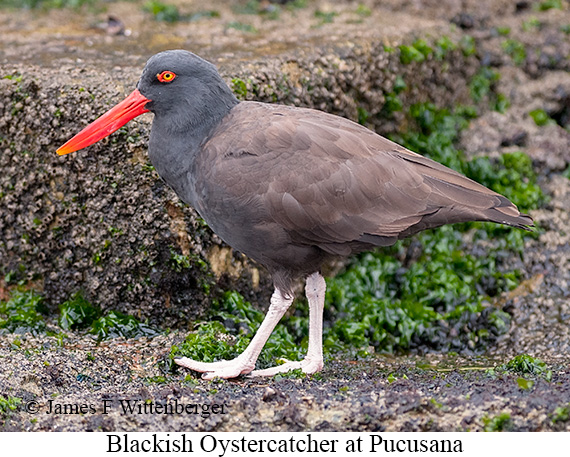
(329,182)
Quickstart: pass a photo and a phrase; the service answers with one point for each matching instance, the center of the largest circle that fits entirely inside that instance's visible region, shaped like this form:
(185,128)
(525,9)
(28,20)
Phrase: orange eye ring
(166,76)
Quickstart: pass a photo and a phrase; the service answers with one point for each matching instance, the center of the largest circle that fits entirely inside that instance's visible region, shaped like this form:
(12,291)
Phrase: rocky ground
(65,383)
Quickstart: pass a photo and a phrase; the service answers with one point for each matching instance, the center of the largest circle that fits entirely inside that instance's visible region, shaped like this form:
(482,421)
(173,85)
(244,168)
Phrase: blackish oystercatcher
(289,187)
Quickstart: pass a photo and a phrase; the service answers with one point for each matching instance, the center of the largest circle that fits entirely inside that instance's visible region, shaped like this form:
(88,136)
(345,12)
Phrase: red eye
(166,76)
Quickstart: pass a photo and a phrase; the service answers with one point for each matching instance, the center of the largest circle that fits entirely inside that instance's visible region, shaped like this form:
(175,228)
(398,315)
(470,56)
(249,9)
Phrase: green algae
(24,312)
(77,313)
(116,324)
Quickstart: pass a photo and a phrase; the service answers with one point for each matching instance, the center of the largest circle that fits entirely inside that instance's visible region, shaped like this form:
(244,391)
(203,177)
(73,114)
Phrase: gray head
(186,94)
(185,91)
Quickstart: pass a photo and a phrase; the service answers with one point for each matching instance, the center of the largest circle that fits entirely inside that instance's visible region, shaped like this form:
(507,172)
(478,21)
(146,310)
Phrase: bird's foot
(307,365)
(223,369)
(228,369)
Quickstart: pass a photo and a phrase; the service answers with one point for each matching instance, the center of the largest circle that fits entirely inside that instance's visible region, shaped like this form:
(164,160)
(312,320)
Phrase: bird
(289,187)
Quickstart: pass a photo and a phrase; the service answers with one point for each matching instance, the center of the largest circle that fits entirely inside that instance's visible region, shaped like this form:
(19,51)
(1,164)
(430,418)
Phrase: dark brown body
(290,187)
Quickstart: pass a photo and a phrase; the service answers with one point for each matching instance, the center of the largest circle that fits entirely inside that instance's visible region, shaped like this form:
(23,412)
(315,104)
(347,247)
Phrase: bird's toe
(225,369)
(287,366)
(308,366)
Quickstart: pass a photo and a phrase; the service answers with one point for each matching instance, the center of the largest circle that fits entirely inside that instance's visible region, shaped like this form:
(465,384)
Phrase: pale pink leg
(313,362)
(245,362)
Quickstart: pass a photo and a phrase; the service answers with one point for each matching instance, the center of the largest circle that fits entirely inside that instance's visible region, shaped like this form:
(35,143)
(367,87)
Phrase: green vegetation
(164,12)
(423,47)
(435,403)
(399,84)
(525,384)
(15,77)
(16,276)
(116,324)
(516,50)
(363,10)
(156,380)
(77,313)
(467,45)
(99,255)
(325,17)
(443,45)
(281,88)
(297,4)
(503,31)
(209,343)
(250,7)
(379,301)
(363,115)
(392,101)
(394,376)
(179,262)
(8,404)
(482,85)
(241,26)
(561,414)
(524,364)
(271,11)
(500,423)
(25,311)
(548,4)
(239,88)
(296,374)
(541,117)
(392,104)
(532,24)
(418,51)
(409,54)
(501,103)
(206,14)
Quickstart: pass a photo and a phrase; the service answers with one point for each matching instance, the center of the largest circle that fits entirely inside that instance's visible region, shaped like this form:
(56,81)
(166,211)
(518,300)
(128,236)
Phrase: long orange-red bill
(112,120)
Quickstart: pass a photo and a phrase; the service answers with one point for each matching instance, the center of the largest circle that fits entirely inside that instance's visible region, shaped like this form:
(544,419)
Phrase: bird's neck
(191,123)
(177,138)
